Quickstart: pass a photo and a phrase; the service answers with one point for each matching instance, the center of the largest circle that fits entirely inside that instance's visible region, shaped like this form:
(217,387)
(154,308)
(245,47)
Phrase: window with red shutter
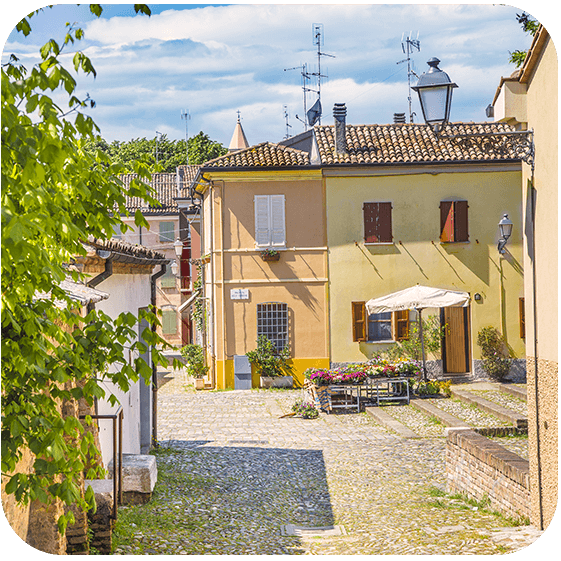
(454,221)
(377,222)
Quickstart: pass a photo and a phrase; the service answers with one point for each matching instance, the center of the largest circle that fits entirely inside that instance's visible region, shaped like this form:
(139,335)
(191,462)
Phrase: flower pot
(199,384)
(267,257)
(277,382)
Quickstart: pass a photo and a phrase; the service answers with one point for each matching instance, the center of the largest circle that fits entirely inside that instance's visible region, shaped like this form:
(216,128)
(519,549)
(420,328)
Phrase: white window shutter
(278,232)
(262,229)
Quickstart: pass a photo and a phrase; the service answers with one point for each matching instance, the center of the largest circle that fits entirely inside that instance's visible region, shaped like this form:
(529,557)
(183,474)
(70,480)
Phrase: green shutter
(169,322)
(168,280)
(167,230)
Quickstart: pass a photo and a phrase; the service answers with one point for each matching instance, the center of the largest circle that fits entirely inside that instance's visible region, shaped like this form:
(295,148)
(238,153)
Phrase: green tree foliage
(54,195)
(410,348)
(529,25)
(161,153)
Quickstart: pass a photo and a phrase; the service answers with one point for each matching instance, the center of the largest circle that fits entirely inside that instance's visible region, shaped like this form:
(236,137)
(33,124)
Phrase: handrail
(117,419)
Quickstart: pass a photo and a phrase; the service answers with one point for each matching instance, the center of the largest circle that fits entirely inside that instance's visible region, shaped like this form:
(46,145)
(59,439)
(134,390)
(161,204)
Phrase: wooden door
(456,344)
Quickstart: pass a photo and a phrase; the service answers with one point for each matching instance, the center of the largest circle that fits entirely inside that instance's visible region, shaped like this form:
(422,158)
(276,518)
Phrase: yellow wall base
(225,372)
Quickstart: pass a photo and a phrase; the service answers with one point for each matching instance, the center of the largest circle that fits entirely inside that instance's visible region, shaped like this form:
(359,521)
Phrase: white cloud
(217,60)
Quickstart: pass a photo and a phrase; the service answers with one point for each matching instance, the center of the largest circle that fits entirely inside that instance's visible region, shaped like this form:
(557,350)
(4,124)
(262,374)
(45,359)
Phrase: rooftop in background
(266,154)
(125,252)
(167,187)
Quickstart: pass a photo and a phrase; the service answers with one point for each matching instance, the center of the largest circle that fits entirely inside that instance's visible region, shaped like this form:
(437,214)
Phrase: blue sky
(215,60)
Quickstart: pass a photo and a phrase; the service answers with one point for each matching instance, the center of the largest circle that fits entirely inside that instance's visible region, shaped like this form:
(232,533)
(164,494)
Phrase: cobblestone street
(236,478)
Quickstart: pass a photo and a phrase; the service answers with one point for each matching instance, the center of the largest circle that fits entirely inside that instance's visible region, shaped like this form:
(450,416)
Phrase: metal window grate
(272,321)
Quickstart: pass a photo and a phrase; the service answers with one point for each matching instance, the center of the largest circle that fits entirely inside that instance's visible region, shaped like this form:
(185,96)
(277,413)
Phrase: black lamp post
(435,95)
(505,228)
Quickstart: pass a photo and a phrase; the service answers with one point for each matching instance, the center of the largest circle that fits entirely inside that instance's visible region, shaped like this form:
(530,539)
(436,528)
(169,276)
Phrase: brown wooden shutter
(522,316)
(359,320)
(446,221)
(377,222)
(401,325)
(461,233)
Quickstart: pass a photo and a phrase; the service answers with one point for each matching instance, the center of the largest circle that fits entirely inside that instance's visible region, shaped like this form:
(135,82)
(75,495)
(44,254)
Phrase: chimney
(340,116)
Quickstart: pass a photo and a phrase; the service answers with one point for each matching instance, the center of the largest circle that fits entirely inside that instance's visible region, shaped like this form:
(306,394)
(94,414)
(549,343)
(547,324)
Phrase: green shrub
(494,352)
(268,360)
(195,358)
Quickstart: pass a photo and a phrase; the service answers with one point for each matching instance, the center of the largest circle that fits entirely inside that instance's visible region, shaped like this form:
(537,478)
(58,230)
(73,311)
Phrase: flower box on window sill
(270,255)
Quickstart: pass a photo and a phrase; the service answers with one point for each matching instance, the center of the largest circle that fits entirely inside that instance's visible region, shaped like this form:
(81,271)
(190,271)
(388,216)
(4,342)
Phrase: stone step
(518,420)
(433,411)
(390,423)
(516,391)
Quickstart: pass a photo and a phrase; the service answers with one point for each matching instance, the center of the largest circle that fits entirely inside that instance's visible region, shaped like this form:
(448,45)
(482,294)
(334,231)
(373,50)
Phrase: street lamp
(505,228)
(435,95)
(178,247)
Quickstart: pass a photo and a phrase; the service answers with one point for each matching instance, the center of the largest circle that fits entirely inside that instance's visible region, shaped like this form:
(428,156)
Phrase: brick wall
(478,467)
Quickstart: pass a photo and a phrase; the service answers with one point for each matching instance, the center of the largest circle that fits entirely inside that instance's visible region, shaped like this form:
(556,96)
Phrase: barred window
(272,321)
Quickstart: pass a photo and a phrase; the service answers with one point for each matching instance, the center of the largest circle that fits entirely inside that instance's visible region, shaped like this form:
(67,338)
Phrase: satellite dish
(314,113)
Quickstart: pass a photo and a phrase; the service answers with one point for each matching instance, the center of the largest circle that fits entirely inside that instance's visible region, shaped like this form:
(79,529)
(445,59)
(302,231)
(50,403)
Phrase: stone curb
(390,423)
(433,411)
(513,390)
(519,421)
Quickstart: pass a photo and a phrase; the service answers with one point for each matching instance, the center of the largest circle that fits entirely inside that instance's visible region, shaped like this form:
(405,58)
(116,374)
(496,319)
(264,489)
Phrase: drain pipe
(153,280)
(107,272)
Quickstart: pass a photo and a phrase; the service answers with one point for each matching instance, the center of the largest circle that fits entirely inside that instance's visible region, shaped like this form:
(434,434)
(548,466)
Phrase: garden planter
(277,382)
(275,257)
(199,384)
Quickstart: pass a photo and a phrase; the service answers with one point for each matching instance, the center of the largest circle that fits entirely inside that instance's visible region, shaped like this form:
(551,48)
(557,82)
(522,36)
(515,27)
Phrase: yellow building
(529,100)
(255,201)
(404,208)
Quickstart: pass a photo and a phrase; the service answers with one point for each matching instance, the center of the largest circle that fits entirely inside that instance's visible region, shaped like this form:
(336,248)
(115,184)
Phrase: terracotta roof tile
(266,154)
(165,187)
(406,143)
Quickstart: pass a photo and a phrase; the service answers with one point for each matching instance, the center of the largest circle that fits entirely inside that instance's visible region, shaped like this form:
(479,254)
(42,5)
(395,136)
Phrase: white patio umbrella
(418,297)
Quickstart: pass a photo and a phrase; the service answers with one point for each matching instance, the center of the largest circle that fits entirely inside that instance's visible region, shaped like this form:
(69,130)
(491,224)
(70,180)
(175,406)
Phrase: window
(386,326)
(272,321)
(117,234)
(167,231)
(168,279)
(269,221)
(169,322)
(454,221)
(377,222)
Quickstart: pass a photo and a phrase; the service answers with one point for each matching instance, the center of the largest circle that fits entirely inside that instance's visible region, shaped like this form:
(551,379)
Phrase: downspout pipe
(153,280)
(108,271)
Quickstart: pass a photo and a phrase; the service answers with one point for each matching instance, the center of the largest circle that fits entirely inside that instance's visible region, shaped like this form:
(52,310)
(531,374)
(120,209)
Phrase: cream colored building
(529,100)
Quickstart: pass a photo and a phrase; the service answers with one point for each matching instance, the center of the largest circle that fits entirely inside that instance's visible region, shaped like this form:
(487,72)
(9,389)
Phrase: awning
(189,302)
(417,298)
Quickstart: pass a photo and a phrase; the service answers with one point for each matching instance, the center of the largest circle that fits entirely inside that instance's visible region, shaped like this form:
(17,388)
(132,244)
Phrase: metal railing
(117,419)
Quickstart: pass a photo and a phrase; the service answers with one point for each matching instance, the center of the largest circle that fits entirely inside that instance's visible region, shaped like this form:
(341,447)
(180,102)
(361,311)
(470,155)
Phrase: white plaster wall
(127,293)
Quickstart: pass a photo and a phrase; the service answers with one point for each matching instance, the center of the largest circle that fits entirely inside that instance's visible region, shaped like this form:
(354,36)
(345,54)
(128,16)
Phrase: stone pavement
(236,478)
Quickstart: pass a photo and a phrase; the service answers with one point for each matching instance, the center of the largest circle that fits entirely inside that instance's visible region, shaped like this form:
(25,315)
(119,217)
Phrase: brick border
(479,467)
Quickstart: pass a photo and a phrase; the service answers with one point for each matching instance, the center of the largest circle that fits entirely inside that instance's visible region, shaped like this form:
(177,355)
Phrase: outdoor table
(385,389)
(348,393)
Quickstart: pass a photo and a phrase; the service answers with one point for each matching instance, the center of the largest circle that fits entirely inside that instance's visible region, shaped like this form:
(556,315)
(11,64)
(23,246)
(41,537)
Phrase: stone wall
(479,468)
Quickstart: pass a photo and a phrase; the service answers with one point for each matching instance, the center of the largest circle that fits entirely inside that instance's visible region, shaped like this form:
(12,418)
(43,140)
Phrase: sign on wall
(239,294)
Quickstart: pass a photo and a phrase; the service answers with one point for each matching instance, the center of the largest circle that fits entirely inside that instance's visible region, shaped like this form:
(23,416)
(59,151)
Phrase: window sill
(451,243)
(379,243)
(381,341)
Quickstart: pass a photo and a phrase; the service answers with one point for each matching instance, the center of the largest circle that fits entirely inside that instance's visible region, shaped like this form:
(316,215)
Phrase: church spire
(239,141)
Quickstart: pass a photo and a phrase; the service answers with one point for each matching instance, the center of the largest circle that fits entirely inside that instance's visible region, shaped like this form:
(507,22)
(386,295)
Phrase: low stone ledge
(430,409)
(479,467)
(140,474)
(389,422)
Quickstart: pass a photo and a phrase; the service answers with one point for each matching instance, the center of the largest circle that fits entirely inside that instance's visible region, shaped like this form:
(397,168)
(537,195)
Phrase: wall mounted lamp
(505,229)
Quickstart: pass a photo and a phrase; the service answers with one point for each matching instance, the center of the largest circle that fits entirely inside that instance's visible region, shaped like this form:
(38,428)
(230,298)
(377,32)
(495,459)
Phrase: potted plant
(195,364)
(270,255)
(272,365)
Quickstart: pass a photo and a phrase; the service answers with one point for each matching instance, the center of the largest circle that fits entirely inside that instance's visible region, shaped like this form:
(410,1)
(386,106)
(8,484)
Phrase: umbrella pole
(419,310)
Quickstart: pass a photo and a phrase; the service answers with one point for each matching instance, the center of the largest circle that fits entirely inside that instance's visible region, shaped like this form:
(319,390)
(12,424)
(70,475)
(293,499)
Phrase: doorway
(456,348)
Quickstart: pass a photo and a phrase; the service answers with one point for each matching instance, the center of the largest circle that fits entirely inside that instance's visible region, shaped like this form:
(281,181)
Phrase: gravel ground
(235,478)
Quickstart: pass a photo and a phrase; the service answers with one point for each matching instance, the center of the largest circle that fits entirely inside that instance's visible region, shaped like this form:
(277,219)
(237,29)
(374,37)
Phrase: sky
(211,61)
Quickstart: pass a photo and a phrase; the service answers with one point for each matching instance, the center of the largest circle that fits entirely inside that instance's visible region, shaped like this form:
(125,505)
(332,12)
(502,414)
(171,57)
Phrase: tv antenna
(408,45)
(317,39)
(306,77)
(187,116)
(288,126)
(313,115)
